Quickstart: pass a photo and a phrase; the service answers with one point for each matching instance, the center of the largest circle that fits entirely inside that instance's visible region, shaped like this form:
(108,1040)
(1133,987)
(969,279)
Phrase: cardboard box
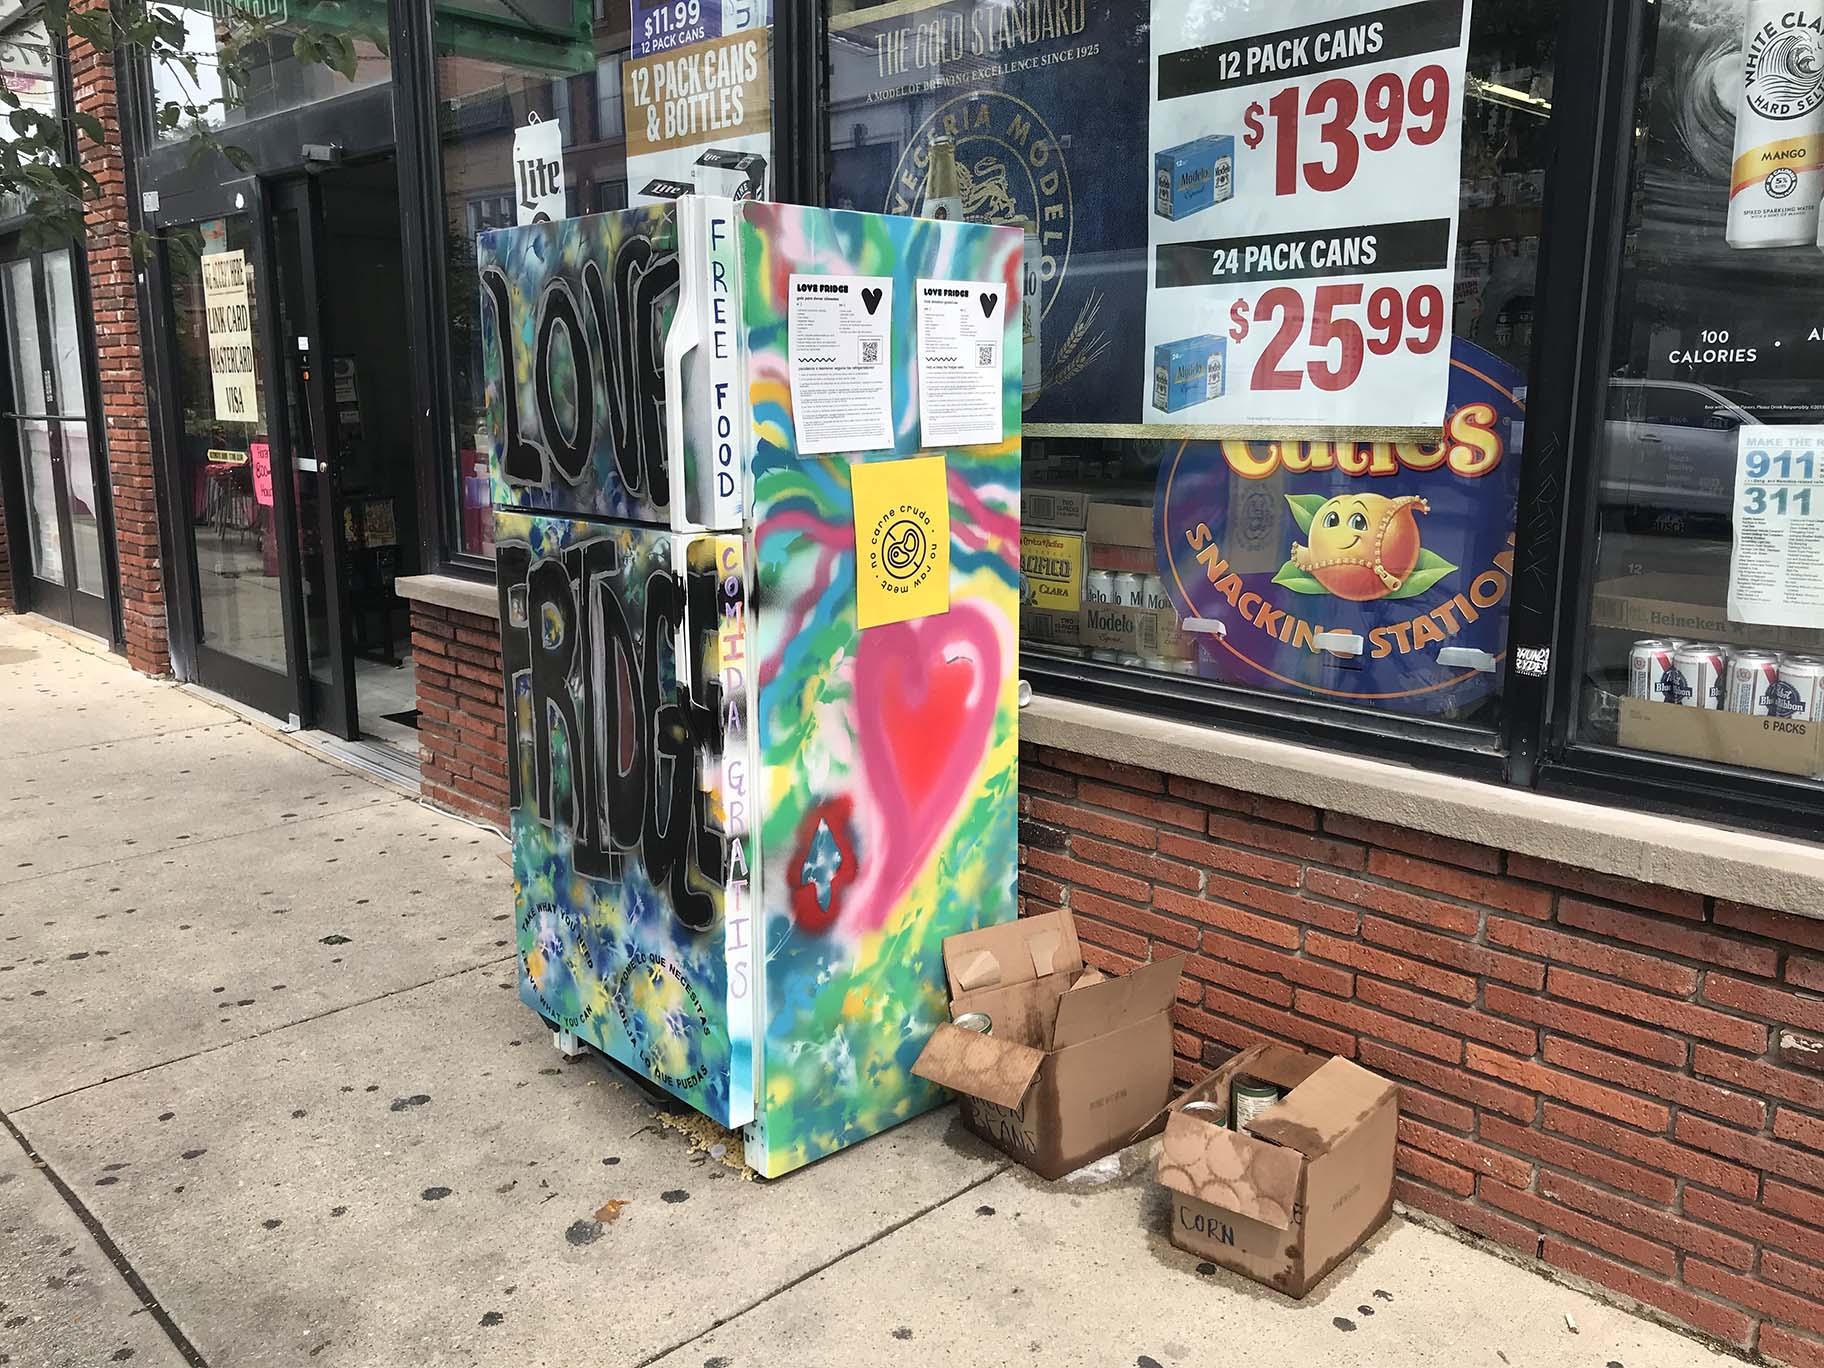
(1667,605)
(1113,522)
(1051,570)
(1065,507)
(1193,176)
(1288,1199)
(1078,1065)
(1051,629)
(1190,371)
(1784,745)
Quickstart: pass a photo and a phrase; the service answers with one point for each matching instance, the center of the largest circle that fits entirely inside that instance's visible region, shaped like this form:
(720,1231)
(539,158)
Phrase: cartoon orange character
(1363,546)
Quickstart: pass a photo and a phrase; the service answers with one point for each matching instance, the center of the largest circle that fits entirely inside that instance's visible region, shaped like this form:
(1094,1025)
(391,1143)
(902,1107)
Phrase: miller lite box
(1192,176)
(1189,371)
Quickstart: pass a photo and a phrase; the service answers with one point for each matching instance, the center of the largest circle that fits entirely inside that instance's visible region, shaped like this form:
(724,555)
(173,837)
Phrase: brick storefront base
(1623,1080)
(461,718)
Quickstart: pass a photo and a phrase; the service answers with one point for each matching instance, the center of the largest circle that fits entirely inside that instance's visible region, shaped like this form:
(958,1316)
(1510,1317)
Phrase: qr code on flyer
(984,354)
(870,351)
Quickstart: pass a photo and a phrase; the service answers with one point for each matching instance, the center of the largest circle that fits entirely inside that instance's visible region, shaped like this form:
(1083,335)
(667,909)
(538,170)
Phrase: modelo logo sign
(1408,545)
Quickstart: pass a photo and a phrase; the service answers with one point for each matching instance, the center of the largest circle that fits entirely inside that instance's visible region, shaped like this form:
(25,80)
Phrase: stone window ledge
(477,597)
(1713,861)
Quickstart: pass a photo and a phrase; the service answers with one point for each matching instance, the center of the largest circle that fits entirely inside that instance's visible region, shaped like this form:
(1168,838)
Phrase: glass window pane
(1178,552)
(85,527)
(22,337)
(237,553)
(41,499)
(1708,595)
(29,72)
(66,333)
(276,79)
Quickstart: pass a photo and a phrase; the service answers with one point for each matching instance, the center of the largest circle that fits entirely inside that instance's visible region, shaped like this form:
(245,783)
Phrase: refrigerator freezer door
(573,324)
(623,648)
(887,755)
(705,397)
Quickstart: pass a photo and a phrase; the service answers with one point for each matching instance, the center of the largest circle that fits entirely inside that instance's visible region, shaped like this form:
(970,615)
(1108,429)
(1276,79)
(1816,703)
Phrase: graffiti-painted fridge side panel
(626,754)
(573,323)
(887,756)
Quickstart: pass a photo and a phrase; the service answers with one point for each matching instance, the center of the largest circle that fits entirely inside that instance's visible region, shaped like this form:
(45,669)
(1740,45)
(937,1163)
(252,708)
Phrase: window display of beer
(943,193)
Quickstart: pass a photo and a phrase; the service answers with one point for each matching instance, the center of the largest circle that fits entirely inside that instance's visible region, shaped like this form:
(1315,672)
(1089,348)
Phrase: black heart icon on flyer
(988,300)
(870,296)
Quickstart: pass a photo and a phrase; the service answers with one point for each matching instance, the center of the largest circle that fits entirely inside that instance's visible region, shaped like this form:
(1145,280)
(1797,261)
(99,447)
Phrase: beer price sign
(1282,295)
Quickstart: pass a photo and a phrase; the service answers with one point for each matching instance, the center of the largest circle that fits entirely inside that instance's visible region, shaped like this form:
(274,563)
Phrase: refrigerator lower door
(629,873)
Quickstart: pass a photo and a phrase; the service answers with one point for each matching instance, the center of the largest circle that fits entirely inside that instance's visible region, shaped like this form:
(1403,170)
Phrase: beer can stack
(1750,681)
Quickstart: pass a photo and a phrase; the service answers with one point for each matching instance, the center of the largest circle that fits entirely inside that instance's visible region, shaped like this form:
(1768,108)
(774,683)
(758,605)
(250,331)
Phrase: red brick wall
(461,716)
(6,574)
(1623,1080)
(128,441)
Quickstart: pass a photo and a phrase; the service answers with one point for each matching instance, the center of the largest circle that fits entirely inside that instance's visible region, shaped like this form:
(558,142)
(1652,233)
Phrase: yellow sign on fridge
(902,540)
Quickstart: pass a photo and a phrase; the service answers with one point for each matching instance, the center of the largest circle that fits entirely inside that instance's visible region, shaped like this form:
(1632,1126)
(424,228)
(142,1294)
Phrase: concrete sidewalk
(271,1099)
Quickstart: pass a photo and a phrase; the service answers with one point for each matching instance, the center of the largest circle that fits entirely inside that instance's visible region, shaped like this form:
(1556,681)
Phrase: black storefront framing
(1599,54)
(64,409)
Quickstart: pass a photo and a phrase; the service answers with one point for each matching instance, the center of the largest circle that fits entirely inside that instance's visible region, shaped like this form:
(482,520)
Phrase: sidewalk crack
(122,1265)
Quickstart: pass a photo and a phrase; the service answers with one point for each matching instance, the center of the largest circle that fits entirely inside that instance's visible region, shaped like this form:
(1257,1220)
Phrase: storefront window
(619,81)
(1706,614)
(1286,259)
(28,69)
(276,79)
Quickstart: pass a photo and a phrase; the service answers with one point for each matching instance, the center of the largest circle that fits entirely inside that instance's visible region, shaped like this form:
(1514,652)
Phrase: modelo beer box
(1188,371)
(1069,1064)
(1193,176)
(1285,1199)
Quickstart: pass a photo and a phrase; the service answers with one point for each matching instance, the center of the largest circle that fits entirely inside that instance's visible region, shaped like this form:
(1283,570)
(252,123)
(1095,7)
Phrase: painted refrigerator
(742,824)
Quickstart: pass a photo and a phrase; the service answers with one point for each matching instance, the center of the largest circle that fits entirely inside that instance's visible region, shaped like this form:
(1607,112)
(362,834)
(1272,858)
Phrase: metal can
(979,1022)
(1697,677)
(1130,592)
(1032,259)
(1099,587)
(1753,675)
(1774,185)
(1248,1098)
(1204,1111)
(1649,662)
(1800,692)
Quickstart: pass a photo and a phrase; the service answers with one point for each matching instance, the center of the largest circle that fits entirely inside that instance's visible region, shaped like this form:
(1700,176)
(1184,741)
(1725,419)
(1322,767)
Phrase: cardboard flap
(1093,1009)
(1012,952)
(1323,1109)
(1235,1172)
(998,1071)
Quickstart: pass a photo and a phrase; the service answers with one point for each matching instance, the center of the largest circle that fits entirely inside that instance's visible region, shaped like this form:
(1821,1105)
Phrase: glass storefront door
(57,460)
(228,444)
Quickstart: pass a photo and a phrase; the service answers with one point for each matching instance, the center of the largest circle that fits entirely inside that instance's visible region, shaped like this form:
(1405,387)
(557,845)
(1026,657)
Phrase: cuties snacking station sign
(1297,548)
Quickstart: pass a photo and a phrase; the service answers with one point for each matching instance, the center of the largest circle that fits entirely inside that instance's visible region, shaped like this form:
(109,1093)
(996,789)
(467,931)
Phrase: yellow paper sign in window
(902,540)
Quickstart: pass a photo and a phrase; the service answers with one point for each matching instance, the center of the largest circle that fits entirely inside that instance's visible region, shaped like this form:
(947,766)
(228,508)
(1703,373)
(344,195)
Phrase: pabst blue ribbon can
(1649,662)
(1697,676)
(1800,692)
(1753,675)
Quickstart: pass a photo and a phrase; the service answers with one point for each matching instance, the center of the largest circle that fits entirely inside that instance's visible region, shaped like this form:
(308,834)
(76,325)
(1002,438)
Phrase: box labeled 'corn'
(1189,371)
(1193,176)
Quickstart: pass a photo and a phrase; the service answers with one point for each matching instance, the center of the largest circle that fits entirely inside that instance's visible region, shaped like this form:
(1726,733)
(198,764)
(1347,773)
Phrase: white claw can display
(1696,679)
(1649,663)
(1753,676)
(1777,179)
(1800,692)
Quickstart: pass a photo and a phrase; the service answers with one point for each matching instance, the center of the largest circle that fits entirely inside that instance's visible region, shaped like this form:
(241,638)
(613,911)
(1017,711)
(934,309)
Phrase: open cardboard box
(1078,1064)
(1286,1200)
(1785,745)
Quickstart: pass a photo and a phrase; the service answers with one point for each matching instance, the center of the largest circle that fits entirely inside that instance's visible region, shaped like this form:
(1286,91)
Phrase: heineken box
(1290,1194)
